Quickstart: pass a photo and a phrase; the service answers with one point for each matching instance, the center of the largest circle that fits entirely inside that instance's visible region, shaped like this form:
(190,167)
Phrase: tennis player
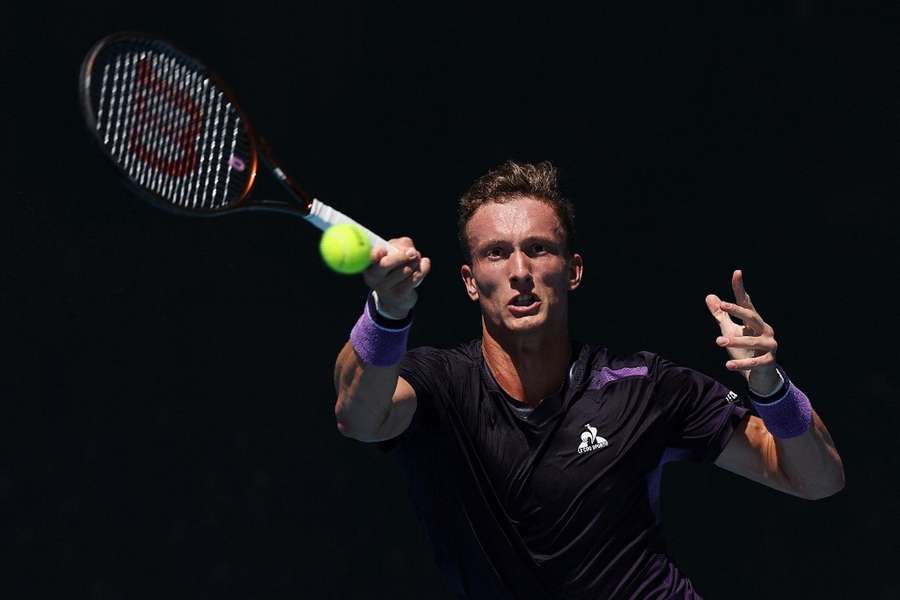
(534,459)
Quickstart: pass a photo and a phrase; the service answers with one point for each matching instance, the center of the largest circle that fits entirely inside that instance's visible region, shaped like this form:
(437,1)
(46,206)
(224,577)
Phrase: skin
(807,466)
(375,403)
(517,247)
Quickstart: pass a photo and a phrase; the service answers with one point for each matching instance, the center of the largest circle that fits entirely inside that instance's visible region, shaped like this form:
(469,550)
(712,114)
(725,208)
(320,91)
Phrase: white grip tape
(323,216)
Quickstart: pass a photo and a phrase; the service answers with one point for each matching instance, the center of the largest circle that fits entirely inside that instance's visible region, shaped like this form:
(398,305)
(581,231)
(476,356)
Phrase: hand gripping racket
(177,135)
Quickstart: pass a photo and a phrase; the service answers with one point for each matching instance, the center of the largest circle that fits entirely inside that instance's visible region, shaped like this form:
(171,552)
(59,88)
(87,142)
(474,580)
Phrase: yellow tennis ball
(346,248)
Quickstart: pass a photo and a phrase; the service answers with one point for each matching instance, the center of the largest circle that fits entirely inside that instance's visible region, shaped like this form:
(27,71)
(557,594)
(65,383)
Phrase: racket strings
(170,129)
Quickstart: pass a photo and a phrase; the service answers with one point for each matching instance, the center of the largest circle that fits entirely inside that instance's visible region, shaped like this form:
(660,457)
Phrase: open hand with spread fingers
(751,344)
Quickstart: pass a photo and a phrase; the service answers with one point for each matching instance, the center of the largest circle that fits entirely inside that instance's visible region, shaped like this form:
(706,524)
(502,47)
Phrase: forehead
(517,218)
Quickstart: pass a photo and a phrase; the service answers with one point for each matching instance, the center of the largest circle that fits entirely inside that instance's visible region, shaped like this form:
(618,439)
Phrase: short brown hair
(512,181)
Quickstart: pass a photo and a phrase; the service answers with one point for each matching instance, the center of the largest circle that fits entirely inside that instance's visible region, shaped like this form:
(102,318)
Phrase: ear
(468,278)
(576,270)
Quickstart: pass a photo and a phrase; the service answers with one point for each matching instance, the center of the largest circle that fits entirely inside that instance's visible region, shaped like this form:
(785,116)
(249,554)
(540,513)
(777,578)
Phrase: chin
(523,324)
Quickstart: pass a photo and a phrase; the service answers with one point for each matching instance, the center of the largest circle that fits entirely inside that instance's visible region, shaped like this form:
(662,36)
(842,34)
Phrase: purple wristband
(789,415)
(379,341)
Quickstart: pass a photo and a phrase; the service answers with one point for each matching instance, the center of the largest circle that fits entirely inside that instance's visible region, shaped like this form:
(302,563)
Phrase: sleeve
(700,413)
(425,369)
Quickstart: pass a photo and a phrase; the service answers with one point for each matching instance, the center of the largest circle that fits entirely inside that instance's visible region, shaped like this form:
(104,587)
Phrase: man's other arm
(807,466)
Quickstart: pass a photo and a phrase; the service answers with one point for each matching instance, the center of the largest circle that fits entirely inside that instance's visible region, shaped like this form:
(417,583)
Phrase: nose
(520,267)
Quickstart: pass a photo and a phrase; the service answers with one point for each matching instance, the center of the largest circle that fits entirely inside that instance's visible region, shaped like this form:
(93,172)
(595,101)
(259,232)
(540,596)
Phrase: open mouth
(524,304)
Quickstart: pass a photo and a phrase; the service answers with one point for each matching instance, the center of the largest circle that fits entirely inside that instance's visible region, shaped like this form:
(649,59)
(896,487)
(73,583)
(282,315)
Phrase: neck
(529,368)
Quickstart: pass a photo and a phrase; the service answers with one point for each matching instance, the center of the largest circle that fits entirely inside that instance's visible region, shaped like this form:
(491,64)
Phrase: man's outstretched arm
(373,402)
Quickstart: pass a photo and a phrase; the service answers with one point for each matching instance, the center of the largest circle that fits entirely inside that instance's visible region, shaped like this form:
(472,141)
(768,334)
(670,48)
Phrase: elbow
(830,491)
(348,431)
(826,489)
(823,493)
(344,429)
(352,427)
(341,418)
(357,434)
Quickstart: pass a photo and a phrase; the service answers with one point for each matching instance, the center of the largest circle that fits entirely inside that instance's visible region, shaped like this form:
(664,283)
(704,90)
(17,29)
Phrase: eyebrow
(528,240)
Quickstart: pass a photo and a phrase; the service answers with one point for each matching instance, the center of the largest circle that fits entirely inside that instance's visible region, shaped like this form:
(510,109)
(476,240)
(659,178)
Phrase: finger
(405,269)
(397,275)
(422,273)
(745,364)
(760,343)
(747,315)
(407,283)
(713,303)
(404,287)
(378,252)
(399,256)
(384,258)
(393,258)
(741,296)
(373,273)
(401,243)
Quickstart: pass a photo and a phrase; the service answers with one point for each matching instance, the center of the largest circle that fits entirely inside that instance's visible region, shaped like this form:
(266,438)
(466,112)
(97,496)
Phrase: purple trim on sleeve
(376,344)
(606,375)
(787,417)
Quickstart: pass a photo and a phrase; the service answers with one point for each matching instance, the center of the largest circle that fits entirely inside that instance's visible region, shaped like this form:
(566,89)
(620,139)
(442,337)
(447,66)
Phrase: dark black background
(168,406)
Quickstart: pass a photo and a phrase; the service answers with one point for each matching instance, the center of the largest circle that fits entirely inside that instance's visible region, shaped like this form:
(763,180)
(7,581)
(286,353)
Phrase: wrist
(378,340)
(767,392)
(786,413)
(387,317)
(388,313)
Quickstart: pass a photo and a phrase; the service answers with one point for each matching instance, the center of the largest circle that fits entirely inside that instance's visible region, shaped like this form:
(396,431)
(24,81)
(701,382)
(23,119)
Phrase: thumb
(712,303)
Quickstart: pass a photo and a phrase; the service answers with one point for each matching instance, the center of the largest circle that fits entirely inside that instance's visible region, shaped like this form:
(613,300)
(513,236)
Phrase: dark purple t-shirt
(562,501)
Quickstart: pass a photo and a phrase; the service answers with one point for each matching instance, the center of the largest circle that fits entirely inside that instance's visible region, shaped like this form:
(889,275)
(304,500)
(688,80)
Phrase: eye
(538,248)
(495,252)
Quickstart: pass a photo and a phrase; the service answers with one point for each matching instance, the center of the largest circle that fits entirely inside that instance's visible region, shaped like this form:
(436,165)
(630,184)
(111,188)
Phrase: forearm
(810,462)
(366,373)
(798,442)
(364,394)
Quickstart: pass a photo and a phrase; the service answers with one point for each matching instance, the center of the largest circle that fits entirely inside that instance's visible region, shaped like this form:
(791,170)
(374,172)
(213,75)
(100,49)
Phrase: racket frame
(303,205)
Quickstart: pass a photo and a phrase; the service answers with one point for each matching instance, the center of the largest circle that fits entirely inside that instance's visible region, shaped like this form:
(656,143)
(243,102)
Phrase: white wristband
(381,310)
(770,394)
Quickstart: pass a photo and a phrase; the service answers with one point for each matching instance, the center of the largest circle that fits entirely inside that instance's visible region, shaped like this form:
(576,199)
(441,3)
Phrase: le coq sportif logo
(590,440)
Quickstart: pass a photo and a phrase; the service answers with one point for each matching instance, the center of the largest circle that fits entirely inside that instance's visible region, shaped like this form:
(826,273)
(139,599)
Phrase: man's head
(512,181)
(517,233)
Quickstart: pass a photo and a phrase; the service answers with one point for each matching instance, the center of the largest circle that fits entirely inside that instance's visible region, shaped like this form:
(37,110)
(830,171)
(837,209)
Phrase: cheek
(555,279)
(557,283)
(486,283)
(486,289)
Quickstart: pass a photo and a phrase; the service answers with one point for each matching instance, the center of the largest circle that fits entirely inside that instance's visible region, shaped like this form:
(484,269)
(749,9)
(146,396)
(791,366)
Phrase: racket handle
(323,216)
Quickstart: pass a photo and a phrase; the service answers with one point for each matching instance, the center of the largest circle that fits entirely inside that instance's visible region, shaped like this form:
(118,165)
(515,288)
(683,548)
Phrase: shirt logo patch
(731,397)
(590,440)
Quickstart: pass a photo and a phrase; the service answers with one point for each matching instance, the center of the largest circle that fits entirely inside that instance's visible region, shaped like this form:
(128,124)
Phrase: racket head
(173,129)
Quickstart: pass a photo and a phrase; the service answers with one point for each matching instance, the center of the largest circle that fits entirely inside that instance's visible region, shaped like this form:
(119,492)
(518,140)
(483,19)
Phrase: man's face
(520,272)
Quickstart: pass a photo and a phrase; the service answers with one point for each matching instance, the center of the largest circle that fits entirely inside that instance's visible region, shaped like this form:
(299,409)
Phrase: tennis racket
(176,133)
